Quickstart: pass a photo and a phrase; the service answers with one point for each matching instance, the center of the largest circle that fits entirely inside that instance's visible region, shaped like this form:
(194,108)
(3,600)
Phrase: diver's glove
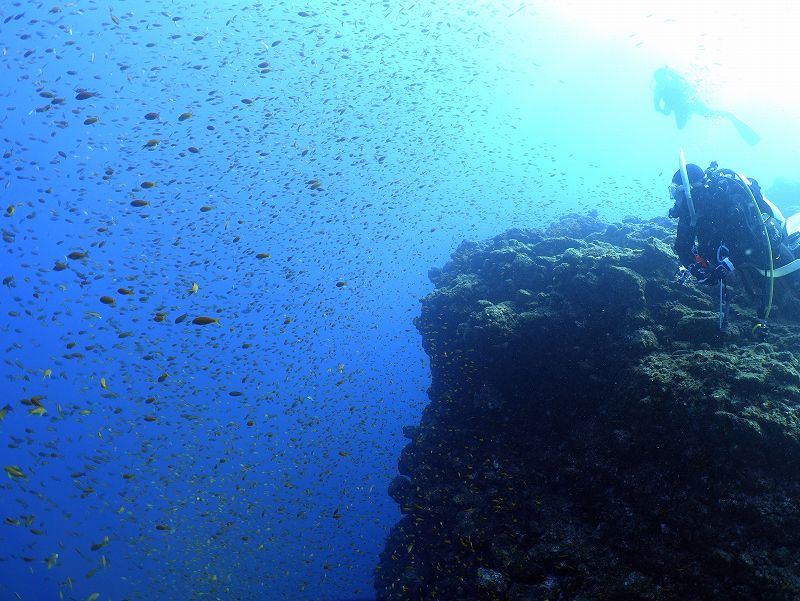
(711,277)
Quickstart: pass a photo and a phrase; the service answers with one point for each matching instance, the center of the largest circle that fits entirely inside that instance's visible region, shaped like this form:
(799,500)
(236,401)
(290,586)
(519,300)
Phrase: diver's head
(696,177)
(663,74)
(695,173)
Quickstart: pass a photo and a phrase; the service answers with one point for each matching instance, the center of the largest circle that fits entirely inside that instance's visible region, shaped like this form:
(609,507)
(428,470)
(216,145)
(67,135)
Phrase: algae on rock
(591,434)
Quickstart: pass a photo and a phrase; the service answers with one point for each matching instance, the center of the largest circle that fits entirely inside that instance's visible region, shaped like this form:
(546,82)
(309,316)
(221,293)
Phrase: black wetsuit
(726,218)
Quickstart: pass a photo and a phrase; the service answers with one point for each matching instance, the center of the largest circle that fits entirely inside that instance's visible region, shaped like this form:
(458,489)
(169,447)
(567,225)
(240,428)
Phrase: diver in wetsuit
(724,224)
(673,94)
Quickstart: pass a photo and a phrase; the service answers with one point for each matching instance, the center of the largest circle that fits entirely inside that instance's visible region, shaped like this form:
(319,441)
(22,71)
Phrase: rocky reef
(592,434)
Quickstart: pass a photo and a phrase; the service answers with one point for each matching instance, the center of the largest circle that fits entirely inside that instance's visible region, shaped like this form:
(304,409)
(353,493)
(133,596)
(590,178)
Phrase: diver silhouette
(673,94)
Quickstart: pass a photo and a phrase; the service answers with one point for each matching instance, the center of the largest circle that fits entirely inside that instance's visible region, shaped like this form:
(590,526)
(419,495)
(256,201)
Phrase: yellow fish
(194,288)
(48,373)
(13,471)
(103,384)
(101,544)
(204,321)
(39,410)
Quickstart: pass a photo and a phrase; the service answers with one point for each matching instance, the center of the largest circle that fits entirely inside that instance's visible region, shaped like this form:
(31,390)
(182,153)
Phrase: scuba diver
(673,94)
(726,224)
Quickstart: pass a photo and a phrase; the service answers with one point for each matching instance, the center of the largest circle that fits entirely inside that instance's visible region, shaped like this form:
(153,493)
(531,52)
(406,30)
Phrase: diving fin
(747,133)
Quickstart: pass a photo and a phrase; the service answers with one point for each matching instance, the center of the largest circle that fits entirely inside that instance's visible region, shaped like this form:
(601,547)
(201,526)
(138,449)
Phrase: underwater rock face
(592,435)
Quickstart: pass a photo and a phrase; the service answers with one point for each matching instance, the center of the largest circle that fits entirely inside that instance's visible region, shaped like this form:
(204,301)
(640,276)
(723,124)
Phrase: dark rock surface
(592,435)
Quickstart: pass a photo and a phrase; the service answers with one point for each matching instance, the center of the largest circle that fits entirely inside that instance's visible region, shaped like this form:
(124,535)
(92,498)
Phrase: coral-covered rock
(591,432)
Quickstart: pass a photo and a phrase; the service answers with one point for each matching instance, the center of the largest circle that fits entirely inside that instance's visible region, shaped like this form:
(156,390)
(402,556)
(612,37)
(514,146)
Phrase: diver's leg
(702,110)
(745,131)
(792,280)
(746,278)
(681,116)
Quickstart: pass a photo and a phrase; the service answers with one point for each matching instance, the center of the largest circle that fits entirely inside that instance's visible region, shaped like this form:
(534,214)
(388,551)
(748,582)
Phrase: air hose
(770,275)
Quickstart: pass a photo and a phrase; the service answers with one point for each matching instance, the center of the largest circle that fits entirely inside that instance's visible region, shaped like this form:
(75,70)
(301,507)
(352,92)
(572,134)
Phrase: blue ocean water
(289,172)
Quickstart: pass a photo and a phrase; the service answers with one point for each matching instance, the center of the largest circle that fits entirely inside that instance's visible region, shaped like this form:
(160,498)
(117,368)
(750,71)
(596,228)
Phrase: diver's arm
(659,103)
(684,241)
